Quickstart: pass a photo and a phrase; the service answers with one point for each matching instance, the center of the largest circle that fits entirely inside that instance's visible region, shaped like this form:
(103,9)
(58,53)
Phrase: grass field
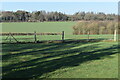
(61,60)
(74,58)
(38,27)
(46,27)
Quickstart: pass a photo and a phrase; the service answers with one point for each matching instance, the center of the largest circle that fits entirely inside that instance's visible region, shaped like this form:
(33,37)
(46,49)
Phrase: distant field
(38,27)
(47,27)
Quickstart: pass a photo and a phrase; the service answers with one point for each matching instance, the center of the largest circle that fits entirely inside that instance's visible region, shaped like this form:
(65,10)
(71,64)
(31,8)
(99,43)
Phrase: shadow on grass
(52,56)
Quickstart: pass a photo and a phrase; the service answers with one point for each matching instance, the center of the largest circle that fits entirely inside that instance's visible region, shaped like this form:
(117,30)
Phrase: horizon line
(59,11)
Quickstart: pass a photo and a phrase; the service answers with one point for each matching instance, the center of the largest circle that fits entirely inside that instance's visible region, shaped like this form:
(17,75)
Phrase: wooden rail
(9,35)
(4,34)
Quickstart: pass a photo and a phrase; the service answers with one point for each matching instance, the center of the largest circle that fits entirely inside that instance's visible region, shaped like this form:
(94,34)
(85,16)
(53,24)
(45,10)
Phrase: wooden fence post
(88,35)
(63,35)
(10,37)
(35,37)
(115,35)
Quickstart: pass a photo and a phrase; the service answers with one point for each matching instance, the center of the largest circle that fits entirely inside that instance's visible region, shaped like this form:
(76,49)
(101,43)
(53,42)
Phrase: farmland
(61,60)
(38,27)
(67,27)
(74,58)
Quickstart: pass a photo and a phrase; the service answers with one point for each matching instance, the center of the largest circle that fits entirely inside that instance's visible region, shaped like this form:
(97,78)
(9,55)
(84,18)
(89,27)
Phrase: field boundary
(28,34)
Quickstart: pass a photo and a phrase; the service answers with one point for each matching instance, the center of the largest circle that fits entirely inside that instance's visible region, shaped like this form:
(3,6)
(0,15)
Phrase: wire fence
(38,37)
(30,37)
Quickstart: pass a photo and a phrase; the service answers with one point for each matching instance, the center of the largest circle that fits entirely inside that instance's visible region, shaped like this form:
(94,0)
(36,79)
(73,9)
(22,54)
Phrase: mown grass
(74,58)
(71,59)
(46,27)
(38,27)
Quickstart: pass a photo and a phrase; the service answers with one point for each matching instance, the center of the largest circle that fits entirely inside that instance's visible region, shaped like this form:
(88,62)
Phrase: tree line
(40,16)
(95,27)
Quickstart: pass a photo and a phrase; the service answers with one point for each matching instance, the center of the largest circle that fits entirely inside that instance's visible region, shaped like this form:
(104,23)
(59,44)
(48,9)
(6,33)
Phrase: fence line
(25,37)
(11,35)
(4,34)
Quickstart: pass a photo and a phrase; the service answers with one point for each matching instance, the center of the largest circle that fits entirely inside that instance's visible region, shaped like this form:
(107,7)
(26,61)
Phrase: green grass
(55,37)
(72,59)
(46,27)
(38,27)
